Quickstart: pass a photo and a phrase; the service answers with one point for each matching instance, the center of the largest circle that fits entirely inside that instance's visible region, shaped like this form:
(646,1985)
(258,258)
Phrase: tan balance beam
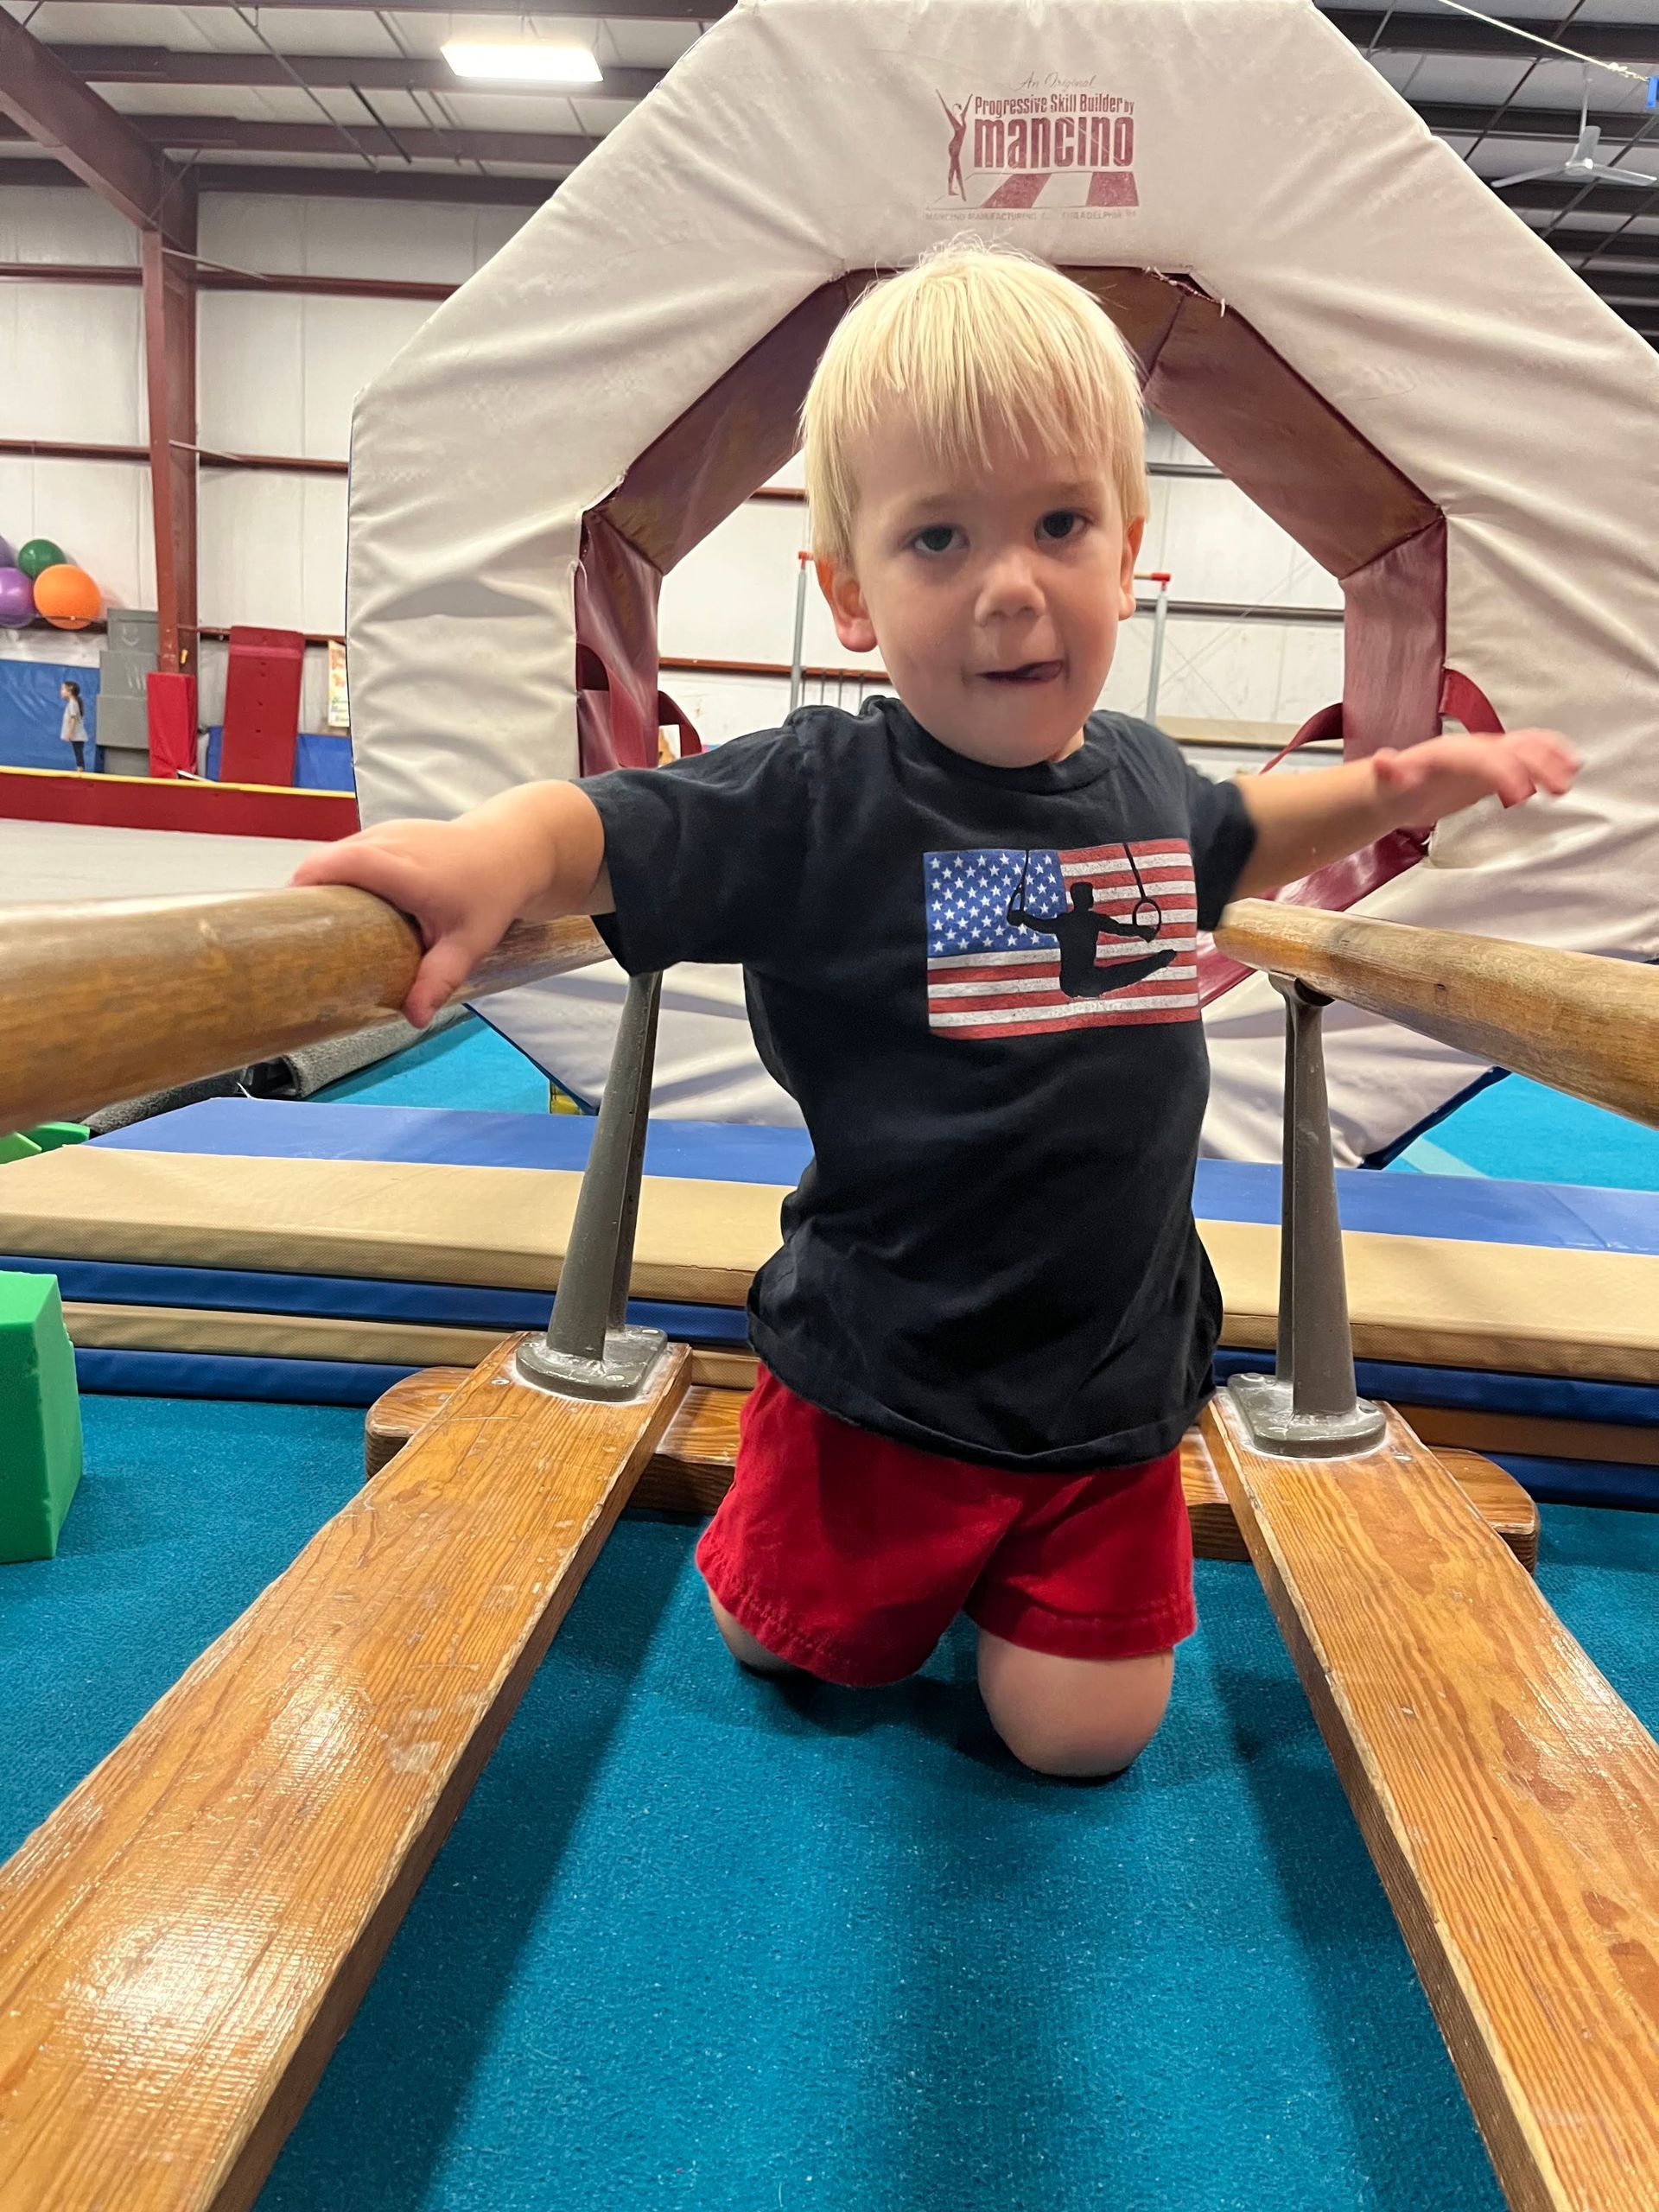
(1574,1021)
(691,1468)
(1510,1799)
(184,1940)
(107,999)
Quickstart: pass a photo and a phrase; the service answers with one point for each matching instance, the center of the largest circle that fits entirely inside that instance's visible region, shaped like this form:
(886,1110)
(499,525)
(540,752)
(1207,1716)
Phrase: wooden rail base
(1510,1799)
(691,1468)
(184,1940)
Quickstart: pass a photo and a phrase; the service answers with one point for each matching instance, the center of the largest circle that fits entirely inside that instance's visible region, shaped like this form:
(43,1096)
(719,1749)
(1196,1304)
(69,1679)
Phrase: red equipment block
(261,707)
(172,723)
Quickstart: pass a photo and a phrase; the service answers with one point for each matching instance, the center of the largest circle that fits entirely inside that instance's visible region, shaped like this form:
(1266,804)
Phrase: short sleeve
(1222,837)
(705,854)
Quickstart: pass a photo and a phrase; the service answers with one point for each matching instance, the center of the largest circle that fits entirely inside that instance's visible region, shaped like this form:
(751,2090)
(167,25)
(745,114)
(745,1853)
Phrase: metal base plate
(630,1356)
(1266,1407)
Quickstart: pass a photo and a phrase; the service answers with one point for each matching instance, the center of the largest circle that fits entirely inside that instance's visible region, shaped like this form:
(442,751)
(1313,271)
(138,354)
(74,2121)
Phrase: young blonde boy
(968,919)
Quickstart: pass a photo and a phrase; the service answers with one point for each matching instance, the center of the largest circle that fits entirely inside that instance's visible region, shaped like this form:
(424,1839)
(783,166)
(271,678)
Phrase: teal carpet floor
(1525,1134)
(701,1941)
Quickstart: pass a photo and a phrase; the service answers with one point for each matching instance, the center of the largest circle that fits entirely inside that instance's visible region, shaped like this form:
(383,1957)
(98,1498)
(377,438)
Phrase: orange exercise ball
(66,597)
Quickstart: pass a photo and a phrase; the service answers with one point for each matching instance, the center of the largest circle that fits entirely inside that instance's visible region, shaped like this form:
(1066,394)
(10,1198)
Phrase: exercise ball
(16,599)
(66,597)
(41,553)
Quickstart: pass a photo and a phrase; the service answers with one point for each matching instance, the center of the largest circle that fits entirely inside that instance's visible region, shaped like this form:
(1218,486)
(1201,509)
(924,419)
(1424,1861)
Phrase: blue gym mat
(1458,1208)
(736,1151)
(699,1940)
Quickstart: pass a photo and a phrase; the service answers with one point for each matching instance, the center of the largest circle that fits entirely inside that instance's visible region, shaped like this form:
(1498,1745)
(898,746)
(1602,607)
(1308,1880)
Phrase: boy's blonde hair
(972,341)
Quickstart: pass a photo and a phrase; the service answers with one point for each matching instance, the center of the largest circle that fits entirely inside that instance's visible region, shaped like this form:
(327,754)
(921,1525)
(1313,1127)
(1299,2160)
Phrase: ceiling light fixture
(528,63)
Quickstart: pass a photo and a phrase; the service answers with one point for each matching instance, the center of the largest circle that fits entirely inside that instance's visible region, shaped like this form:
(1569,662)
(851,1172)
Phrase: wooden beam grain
(184,1940)
(1580,1023)
(1510,1799)
(103,1000)
(691,1468)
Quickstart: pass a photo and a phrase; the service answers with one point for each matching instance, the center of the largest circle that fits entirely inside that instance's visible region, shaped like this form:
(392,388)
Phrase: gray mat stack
(123,723)
(299,1074)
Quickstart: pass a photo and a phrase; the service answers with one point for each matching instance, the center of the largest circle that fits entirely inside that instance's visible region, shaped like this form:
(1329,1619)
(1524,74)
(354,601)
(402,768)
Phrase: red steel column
(170,373)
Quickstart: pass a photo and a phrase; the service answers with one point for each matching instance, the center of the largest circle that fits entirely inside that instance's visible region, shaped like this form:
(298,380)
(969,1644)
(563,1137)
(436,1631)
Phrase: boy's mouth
(1030,671)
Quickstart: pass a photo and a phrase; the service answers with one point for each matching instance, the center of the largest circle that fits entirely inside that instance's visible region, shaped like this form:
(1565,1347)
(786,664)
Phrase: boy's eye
(937,537)
(1063,523)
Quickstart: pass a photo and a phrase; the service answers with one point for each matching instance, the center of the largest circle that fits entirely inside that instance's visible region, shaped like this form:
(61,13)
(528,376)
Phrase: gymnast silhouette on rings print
(1023,943)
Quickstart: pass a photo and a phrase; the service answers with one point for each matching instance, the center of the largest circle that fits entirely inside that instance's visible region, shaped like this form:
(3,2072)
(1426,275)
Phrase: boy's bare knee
(1072,1718)
(745,1647)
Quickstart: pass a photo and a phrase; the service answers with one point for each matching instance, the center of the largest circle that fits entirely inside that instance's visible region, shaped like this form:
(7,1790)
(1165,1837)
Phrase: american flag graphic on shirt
(992,973)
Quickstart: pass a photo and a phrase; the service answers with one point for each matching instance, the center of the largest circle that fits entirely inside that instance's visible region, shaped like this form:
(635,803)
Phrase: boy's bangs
(974,347)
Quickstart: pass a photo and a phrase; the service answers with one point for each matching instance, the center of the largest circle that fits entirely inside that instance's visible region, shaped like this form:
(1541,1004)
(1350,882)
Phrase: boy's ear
(1131,537)
(853,624)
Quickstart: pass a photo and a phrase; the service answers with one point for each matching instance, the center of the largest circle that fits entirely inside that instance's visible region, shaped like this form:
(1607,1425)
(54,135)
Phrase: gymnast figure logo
(958,122)
(1020,942)
(1080,929)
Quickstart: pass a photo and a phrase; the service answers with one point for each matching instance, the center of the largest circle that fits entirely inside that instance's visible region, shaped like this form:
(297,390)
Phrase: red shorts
(849,1555)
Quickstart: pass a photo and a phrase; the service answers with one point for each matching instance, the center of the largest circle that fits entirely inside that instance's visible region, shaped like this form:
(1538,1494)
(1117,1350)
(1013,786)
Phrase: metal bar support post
(797,663)
(1309,1408)
(1159,624)
(589,1351)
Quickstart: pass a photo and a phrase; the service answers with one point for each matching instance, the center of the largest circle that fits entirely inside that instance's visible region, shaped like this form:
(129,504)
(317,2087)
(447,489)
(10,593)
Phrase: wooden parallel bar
(1580,1023)
(104,1000)
(163,2014)
(1510,1799)
(691,1468)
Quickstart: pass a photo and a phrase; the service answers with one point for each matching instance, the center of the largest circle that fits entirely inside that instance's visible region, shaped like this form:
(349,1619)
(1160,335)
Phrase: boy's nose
(1008,586)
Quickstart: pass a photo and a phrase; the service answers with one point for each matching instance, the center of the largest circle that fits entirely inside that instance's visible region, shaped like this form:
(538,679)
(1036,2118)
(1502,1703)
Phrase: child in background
(72,728)
(967,917)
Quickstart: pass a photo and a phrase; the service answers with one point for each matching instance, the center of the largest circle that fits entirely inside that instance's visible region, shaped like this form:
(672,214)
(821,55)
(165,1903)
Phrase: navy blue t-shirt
(979,984)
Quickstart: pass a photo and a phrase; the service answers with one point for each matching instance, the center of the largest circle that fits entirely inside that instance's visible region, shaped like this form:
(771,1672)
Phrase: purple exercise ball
(16,599)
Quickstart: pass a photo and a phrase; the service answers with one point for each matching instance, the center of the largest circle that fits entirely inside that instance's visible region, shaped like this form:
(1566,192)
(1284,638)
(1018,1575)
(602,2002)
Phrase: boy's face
(994,595)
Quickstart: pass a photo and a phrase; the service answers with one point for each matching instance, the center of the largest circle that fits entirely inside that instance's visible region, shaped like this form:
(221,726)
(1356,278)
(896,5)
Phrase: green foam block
(18,1147)
(40,1417)
(52,1136)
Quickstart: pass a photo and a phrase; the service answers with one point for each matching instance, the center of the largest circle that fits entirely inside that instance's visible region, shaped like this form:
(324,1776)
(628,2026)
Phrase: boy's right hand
(461,881)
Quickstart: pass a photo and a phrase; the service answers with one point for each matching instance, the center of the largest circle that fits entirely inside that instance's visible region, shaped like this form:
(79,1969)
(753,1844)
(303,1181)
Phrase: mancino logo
(1065,144)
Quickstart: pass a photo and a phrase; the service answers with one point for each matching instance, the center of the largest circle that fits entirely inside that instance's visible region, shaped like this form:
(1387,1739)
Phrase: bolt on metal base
(1266,1407)
(630,1359)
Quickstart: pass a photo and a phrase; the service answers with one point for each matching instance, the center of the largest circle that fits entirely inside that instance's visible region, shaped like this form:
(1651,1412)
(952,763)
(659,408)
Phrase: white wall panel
(346,343)
(354,237)
(278,373)
(1217,544)
(251,371)
(71,363)
(273,550)
(322,554)
(732,597)
(63,223)
(1311,677)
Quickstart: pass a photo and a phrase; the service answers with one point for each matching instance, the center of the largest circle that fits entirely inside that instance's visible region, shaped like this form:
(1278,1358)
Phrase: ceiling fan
(1580,166)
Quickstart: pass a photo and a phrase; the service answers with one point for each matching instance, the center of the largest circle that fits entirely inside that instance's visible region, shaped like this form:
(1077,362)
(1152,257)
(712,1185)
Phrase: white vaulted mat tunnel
(1255,208)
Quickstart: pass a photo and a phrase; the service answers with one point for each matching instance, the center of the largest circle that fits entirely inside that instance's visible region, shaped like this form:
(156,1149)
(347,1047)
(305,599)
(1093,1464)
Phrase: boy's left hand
(1445,774)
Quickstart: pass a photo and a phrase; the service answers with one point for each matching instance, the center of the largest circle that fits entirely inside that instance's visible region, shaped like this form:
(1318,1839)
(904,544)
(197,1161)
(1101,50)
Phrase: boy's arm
(537,853)
(1304,820)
